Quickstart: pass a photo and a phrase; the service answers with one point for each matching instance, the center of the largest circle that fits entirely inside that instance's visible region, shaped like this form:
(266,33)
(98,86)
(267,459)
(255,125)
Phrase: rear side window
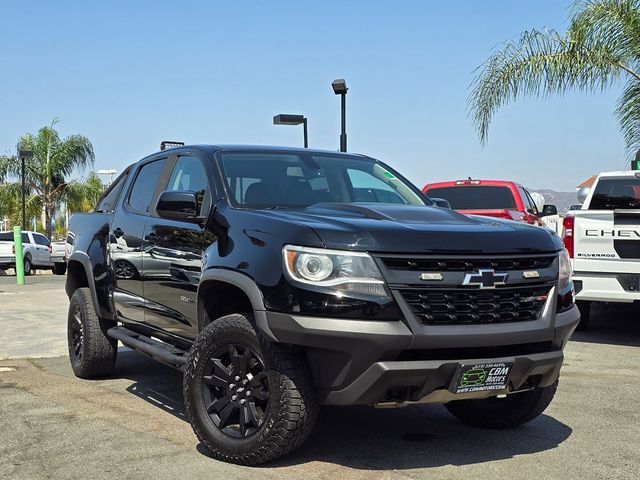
(6,237)
(476,197)
(145,186)
(616,193)
(25,238)
(107,202)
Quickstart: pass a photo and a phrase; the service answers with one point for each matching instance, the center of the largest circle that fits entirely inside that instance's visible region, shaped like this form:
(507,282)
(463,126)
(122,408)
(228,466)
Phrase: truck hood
(417,229)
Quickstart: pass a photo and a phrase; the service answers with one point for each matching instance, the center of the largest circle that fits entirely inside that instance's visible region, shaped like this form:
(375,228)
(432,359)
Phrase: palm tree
(53,160)
(600,48)
(82,196)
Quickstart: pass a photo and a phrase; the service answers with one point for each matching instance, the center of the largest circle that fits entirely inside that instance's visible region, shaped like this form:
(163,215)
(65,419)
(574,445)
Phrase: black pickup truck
(281,279)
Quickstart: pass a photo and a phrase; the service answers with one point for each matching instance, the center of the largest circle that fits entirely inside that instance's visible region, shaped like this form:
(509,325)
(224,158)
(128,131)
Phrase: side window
(188,174)
(533,204)
(525,199)
(145,186)
(41,240)
(107,202)
(25,238)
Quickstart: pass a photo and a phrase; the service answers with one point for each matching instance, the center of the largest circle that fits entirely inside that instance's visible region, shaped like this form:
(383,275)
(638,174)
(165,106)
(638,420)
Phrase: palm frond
(538,64)
(628,112)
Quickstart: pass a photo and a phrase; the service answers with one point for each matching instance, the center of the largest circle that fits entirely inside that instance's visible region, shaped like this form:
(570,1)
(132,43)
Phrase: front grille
(467,264)
(476,307)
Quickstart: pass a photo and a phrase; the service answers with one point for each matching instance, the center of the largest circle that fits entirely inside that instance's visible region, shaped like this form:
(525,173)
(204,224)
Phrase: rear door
(125,240)
(607,234)
(172,253)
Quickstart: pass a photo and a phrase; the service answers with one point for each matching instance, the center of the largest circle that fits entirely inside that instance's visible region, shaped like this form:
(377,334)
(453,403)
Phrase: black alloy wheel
(236,390)
(77,333)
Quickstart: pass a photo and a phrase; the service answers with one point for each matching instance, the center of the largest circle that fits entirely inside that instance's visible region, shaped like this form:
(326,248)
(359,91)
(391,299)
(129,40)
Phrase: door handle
(118,232)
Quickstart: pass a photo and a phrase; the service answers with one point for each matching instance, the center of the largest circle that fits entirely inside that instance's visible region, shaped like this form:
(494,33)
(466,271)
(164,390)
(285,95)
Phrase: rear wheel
(92,353)
(585,314)
(59,268)
(28,267)
(248,401)
(498,413)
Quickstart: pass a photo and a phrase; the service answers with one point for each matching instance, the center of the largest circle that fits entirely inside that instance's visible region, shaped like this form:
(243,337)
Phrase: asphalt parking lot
(133,424)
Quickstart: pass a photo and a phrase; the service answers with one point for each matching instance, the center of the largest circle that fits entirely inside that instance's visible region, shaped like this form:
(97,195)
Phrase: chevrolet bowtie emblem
(485,278)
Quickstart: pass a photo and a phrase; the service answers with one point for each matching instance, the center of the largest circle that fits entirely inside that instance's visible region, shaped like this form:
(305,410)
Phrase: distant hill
(562,200)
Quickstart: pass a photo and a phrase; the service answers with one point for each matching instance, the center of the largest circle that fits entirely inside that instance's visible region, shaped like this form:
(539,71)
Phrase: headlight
(339,271)
(565,273)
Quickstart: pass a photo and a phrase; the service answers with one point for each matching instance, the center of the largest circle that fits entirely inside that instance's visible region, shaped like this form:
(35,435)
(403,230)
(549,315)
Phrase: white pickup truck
(38,253)
(603,240)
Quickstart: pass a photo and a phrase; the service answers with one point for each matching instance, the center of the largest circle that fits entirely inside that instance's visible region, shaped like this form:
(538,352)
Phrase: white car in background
(37,250)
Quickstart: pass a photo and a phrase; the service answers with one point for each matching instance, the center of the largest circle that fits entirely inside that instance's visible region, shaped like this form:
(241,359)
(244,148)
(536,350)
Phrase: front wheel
(248,401)
(499,413)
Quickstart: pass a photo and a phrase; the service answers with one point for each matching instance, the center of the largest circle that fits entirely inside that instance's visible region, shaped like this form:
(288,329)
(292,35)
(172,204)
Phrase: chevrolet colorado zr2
(279,280)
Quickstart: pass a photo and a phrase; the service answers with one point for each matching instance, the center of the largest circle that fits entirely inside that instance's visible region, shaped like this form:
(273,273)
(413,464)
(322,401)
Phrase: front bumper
(376,362)
(604,287)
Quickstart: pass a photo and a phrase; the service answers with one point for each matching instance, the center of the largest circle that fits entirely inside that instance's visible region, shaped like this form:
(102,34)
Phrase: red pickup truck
(492,198)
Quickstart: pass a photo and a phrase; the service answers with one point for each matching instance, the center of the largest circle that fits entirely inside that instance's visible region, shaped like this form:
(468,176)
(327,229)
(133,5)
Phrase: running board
(160,351)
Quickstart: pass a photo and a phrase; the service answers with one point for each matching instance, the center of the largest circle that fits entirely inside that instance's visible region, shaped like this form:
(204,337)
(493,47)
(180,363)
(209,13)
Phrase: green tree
(53,160)
(601,47)
(82,196)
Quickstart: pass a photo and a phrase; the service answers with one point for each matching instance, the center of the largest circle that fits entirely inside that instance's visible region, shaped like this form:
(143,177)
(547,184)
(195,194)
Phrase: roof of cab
(257,148)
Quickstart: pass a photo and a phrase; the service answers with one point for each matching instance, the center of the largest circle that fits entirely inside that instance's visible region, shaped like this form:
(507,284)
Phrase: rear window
(616,193)
(475,197)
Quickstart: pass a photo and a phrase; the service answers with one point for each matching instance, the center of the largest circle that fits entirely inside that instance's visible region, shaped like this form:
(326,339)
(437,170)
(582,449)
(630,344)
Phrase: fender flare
(248,286)
(85,261)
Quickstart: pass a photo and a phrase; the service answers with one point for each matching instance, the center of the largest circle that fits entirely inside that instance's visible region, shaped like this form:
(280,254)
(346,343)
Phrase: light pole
(111,172)
(340,88)
(24,155)
(289,119)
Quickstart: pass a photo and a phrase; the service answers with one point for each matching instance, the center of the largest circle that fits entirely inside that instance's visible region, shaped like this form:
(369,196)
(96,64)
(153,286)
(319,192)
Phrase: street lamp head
(339,86)
(110,171)
(288,119)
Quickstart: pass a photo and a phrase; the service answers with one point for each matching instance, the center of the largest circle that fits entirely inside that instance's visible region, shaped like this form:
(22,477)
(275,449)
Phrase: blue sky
(130,74)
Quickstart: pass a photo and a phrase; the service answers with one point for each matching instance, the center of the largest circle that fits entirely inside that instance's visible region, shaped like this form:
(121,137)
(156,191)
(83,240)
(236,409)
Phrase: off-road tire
(96,353)
(501,413)
(585,315)
(59,268)
(292,409)
(28,266)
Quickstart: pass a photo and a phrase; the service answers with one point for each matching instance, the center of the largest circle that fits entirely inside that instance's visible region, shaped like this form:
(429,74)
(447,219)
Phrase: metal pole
(24,196)
(17,244)
(306,136)
(343,121)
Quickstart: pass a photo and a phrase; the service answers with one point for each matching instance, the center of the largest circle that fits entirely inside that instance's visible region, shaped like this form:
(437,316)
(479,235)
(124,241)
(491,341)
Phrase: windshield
(616,193)
(292,180)
(476,197)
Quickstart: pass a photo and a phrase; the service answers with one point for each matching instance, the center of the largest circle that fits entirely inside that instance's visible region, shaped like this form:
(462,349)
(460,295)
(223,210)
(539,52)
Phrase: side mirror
(548,210)
(441,202)
(583,193)
(177,205)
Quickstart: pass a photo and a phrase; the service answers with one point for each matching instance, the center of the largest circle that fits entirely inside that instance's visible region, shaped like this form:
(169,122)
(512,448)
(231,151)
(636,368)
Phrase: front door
(172,255)
(41,244)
